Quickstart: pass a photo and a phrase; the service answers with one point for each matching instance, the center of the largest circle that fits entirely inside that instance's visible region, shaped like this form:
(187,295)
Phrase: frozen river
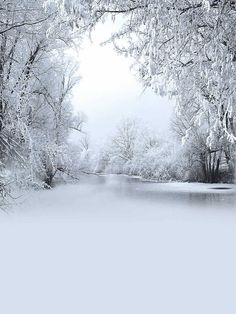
(115,198)
(116,245)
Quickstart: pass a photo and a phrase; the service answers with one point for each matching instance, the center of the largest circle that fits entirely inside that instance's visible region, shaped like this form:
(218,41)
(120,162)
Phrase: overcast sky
(108,91)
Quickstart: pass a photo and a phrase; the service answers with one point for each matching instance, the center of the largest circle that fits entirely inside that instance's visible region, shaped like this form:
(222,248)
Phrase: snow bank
(110,247)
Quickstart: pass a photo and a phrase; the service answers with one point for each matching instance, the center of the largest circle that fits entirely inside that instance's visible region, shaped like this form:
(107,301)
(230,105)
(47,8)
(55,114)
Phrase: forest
(185,50)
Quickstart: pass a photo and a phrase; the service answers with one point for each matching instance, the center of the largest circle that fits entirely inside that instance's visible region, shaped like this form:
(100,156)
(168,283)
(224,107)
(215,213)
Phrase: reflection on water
(181,193)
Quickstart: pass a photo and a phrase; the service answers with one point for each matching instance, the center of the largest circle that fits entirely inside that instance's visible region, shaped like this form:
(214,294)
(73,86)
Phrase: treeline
(134,149)
(36,80)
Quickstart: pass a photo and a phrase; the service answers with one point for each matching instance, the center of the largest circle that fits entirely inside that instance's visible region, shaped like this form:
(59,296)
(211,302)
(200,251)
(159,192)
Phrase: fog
(109,90)
(118,245)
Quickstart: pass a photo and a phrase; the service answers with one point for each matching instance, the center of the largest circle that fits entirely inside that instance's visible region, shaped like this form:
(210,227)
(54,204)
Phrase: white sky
(109,91)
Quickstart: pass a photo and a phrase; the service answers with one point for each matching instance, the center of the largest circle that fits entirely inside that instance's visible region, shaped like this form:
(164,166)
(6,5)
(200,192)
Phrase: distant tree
(123,143)
(136,150)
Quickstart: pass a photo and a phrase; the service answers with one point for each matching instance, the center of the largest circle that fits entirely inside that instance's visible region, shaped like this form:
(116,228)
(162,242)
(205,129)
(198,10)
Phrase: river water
(115,198)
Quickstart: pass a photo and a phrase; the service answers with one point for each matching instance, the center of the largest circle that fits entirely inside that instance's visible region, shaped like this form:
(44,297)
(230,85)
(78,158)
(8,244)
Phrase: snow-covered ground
(116,245)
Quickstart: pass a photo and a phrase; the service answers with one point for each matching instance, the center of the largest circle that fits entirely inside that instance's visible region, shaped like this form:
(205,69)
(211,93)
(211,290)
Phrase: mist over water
(119,197)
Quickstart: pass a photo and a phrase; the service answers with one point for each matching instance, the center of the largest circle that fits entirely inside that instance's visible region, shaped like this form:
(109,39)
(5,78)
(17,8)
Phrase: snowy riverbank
(117,245)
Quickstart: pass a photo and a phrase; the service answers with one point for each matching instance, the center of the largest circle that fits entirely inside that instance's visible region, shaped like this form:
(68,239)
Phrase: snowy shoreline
(179,186)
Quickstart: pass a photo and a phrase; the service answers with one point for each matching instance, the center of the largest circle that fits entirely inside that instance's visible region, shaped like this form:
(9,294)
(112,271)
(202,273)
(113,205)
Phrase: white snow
(111,247)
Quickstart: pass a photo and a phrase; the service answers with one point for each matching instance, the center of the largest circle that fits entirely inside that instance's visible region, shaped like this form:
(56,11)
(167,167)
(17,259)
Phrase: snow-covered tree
(35,85)
(136,150)
(207,163)
(181,48)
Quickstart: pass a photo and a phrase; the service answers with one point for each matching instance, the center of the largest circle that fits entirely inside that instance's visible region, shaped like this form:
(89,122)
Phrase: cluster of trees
(136,150)
(209,162)
(185,49)
(36,80)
